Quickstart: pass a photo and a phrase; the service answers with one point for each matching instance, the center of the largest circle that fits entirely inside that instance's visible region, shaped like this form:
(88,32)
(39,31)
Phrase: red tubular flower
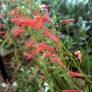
(52,37)
(30,55)
(40,20)
(18,31)
(36,23)
(16,21)
(41,47)
(48,54)
(67,21)
(44,18)
(27,55)
(30,43)
(36,51)
(28,22)
(2,25)
(74,74)
(44,46)
(47,33)
(71,91)
(56,59)
(2,33)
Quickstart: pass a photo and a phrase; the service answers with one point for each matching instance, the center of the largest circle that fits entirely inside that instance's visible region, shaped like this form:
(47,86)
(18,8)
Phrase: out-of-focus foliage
(75,37)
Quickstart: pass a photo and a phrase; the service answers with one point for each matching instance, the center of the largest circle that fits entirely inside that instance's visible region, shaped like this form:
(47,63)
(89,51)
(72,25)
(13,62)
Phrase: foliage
(41,40)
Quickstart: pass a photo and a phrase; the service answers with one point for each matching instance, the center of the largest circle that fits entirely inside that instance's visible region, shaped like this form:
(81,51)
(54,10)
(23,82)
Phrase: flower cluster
(45,49)
(38,23)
